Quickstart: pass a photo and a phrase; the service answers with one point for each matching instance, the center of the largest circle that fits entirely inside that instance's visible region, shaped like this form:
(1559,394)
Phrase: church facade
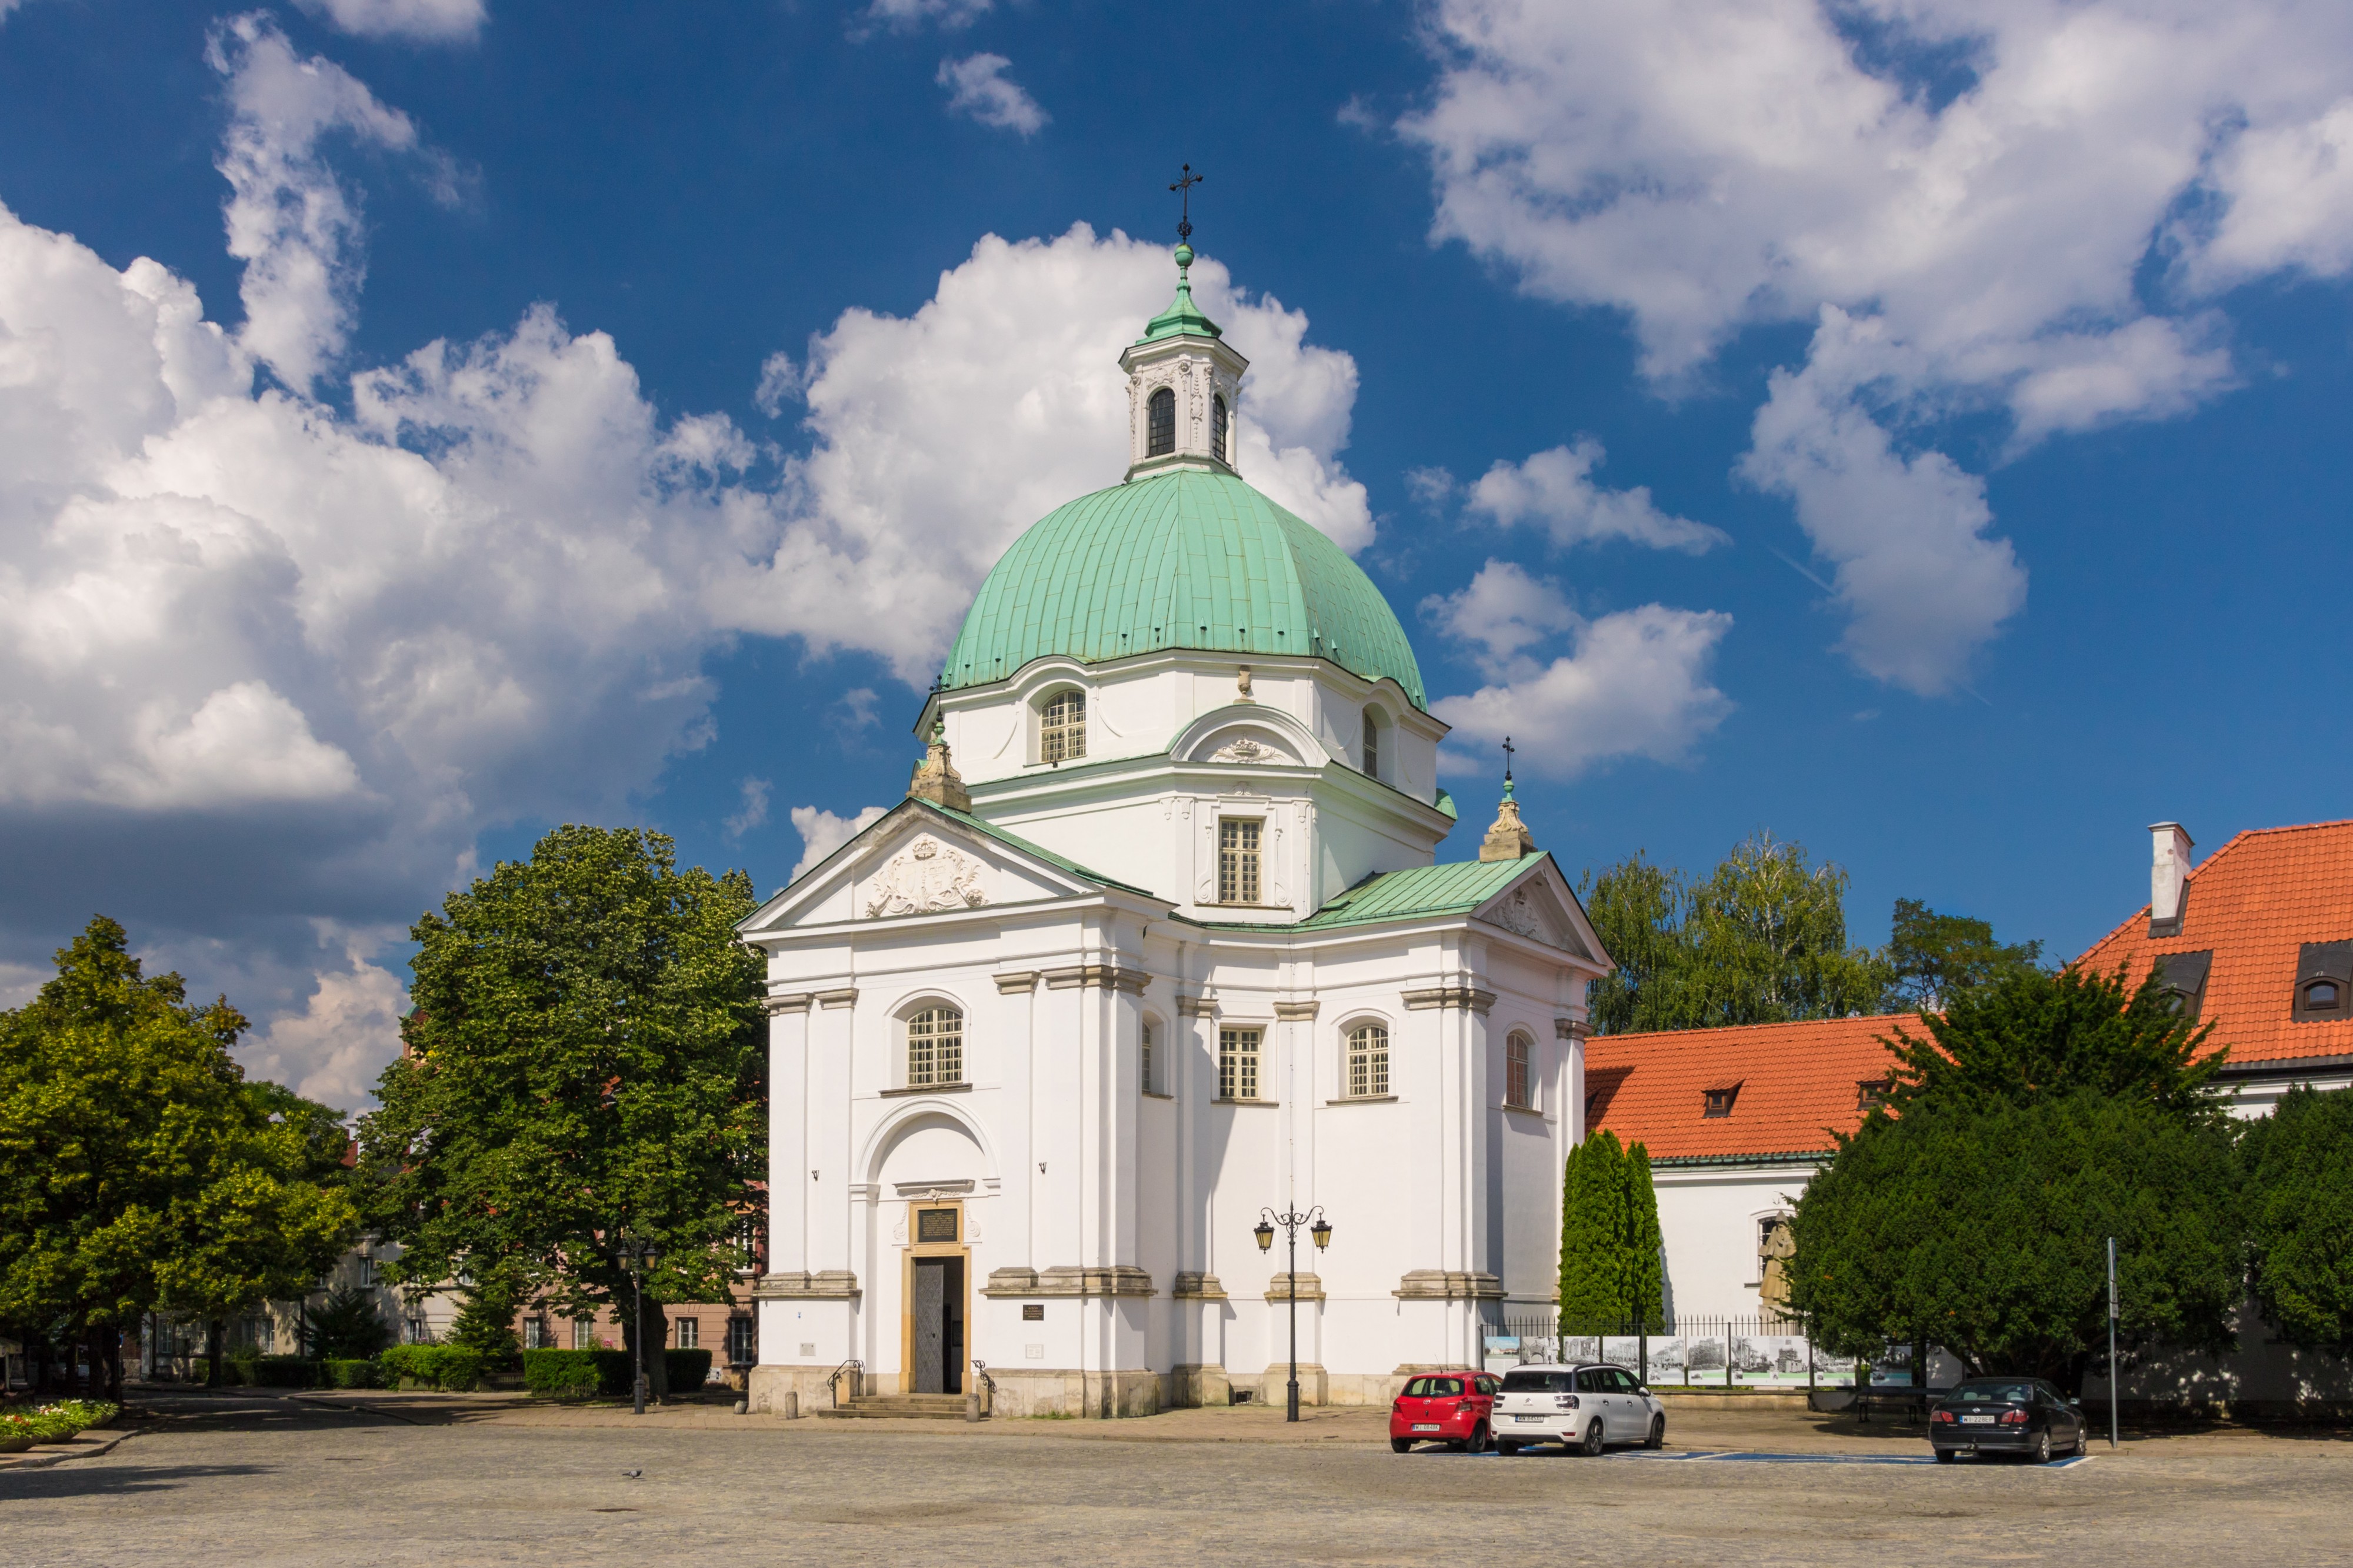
(1158,945)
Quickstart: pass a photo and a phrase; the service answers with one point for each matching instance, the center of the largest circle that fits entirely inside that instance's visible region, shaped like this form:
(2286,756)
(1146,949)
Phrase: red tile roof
(2253,904)
(1799,1083)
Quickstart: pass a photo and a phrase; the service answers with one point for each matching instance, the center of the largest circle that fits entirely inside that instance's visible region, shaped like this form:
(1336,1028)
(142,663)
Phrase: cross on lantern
(1184,188)
(1508,749)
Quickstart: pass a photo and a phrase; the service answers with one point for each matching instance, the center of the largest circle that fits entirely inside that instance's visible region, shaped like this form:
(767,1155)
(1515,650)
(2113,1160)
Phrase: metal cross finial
(1508,749)
(1184,187)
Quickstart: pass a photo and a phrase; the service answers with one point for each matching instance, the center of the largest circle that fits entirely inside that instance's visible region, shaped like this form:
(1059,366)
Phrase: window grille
(1369,1061)
(1218,430)
(1515,1072)
(1160,423)
(1062,727)
(1372,745)
(936,1046)
(1238,861)
(1145,1062)
(690,1333)
(1238,1063)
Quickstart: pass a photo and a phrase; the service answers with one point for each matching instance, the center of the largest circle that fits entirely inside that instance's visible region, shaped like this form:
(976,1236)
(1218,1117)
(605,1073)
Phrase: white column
(788,1122)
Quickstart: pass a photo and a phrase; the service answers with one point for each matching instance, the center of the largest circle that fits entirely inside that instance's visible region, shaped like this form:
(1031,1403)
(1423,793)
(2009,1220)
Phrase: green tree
(1931,958)
(1610,1271)
(139,1169)
(485,1319)
(348,1325)
(1761,941)
(2032,1034)
(1981,1226)
(2299,1164)
(583,1062)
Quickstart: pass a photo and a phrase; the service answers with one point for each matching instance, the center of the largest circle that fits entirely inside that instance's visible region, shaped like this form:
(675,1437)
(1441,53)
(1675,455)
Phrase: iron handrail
(833,1379)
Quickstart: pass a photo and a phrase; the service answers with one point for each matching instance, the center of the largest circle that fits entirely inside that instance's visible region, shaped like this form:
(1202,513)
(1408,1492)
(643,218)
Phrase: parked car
(1585,1408)
(1450,1407)
(2005,1416)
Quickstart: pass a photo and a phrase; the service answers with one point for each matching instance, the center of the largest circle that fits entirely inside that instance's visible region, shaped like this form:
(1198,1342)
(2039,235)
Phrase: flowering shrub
(57,1423)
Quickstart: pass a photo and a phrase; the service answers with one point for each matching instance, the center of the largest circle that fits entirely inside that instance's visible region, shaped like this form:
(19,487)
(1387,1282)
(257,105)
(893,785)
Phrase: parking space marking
(1748,1457)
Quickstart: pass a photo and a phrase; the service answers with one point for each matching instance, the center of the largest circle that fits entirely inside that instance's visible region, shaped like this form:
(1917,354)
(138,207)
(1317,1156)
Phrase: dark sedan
(2005,1416)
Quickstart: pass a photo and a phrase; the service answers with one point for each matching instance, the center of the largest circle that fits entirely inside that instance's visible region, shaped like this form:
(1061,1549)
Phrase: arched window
(1160,423)
(1218,428)
(936,1046)
(1369,1061)
(1372,744)
(2323,997)
(1517,1051)
(1062,727)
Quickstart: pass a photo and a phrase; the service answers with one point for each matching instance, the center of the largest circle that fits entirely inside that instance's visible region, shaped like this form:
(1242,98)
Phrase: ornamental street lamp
(1320,1229)
(637,1256)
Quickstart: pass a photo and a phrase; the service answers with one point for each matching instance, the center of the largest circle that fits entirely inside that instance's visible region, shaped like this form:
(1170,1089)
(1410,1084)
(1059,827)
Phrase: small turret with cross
(1184,381)
(1509,838)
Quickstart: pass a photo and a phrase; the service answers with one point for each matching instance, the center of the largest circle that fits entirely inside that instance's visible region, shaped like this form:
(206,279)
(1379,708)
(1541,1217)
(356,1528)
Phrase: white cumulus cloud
(907,16)
(1554,490)
(432,21)
(1633,683)
(822,833)
(753,812)
(977,86)
(2022,206)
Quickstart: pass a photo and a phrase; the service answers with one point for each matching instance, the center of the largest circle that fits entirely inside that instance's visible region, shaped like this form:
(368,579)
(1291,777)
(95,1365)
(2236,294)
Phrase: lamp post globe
(1265,1233)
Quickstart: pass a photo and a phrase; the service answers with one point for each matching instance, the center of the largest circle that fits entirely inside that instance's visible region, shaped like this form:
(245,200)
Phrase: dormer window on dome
(1062,727)
(1160,434)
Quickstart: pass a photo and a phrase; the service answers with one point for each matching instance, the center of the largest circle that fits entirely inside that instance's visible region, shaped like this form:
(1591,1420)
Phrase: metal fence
(1767,1352)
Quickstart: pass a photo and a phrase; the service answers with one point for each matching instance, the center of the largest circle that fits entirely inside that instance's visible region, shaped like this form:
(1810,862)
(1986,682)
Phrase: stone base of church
(1314,1387)
(1191,1385)
(1090,1395)
(765,1388)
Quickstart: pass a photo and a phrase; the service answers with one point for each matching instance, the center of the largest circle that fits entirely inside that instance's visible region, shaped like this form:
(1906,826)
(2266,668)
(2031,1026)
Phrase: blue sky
(1916,430)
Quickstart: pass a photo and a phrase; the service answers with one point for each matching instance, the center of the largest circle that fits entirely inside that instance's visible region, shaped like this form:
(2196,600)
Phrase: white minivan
(1585,1407)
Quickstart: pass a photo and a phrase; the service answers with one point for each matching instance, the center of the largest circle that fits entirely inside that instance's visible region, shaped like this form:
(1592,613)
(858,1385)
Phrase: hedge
(282,1372)
(455,1368)
(576,1375)
(687,1370)
(363,1373)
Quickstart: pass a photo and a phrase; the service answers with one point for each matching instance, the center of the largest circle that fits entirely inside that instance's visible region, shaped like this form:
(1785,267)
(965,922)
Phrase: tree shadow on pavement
(103,1480)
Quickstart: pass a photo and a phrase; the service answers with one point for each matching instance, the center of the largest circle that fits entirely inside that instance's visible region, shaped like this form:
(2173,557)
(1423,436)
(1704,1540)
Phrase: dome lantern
(1183,388)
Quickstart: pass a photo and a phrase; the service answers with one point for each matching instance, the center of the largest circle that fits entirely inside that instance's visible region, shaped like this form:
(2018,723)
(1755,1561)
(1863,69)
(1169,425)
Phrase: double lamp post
(637,1256)
(1321,1229)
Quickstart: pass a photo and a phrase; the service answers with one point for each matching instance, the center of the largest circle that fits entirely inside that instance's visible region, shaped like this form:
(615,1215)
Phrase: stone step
(900,1407)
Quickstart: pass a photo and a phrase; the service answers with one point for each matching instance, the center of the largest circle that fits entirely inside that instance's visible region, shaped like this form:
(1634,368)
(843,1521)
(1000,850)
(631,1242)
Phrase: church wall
(1709,1217)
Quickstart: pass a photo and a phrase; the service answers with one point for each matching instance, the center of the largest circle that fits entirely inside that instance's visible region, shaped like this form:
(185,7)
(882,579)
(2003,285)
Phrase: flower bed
(58,1423)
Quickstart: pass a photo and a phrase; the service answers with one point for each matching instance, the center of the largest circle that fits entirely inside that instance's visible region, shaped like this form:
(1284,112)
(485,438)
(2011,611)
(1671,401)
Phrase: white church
(1165,946)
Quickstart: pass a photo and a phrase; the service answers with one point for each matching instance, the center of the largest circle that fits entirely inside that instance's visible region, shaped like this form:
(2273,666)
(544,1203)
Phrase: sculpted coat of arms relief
(927,877)
(1519,914)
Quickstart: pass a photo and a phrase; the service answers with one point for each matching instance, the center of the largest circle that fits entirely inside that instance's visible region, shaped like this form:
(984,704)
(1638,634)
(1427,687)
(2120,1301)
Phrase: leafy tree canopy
(2299,1164)
(1979,1224)
(583,1060)
(2032,1034)
(138,1168)
(1611,1277)
(1932,958)
(1761,941)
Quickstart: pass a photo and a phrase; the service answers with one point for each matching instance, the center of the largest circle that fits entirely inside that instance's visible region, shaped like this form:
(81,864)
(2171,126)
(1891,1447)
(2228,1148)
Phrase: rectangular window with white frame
(1516,1084)
(742,1341)
(1238,859)
(1238,1063)
(690,1333)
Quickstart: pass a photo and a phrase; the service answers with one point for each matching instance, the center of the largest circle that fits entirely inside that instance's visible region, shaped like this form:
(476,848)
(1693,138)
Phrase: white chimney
(2169,876)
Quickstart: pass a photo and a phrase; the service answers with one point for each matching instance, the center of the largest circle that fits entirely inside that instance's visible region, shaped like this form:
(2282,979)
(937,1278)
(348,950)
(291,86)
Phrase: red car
(1456,1408)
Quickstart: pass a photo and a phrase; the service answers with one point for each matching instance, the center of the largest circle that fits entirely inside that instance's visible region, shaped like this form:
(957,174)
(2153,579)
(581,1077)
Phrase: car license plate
(1425,1426)
(1977,1420)
(1527,1417)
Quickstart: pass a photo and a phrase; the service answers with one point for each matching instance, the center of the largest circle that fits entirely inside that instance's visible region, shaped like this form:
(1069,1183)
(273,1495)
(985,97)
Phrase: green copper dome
(1185,559)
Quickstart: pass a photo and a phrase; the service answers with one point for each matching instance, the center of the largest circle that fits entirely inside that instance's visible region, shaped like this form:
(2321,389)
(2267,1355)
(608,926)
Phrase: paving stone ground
(256,1480)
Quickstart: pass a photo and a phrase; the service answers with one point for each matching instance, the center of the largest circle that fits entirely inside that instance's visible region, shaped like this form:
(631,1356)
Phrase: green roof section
(1421,891)
(1182,559)
(1183,317)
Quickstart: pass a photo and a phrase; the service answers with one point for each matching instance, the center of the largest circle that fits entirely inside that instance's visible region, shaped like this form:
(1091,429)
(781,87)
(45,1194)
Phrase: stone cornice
(1016,983)
(794,1004)
(1069,1280)
(1297,1010)
(827,1285)
(846,997)
(1098,977)
(1197,1287)
(1455,996)
(1310,1287)
(1448,1285)
(1570,1029)
(1197,1006)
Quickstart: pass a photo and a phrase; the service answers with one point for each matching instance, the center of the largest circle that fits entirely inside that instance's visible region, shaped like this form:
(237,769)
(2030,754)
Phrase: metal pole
(638,1340)
(2112,1342)
(1292,1229)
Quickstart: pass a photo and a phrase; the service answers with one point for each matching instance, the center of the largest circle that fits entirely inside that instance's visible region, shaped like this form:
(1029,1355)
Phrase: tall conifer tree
(1609,1279)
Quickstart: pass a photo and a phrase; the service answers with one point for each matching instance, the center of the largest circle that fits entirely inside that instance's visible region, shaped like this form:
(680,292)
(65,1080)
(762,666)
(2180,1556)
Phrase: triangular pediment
(1540,906)
(919,860)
